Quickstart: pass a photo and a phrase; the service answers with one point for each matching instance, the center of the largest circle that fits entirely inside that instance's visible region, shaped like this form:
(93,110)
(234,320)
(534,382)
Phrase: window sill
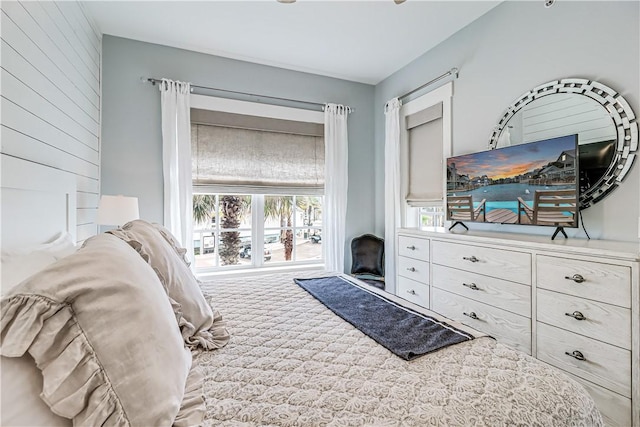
(210,275)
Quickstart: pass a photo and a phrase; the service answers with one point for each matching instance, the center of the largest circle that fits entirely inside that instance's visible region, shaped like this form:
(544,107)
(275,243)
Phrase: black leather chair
(367,254)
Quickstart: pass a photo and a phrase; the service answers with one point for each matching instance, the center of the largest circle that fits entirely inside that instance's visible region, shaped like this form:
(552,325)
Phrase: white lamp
(117,210)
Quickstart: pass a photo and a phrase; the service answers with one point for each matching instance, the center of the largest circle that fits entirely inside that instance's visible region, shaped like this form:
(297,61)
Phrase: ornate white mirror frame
(613,105)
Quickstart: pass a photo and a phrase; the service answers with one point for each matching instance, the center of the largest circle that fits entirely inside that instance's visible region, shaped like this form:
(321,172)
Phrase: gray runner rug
(402,331)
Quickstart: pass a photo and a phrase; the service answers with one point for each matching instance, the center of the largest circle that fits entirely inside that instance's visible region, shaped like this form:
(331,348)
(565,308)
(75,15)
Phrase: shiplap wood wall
(51,88)
(567,114)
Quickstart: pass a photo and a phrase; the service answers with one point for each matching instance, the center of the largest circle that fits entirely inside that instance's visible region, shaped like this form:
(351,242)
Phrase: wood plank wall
(51,94)
(567,114)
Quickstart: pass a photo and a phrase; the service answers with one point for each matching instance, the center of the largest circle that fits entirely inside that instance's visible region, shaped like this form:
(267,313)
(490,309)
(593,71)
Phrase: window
(226,234)
(431,216)
(424,131)
(222,224)
(295,222)
(425,144)
(258,184)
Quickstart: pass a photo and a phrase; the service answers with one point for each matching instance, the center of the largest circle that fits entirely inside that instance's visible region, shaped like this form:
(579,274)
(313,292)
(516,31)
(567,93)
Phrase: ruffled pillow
(182,252)
(201,326)
(101,329)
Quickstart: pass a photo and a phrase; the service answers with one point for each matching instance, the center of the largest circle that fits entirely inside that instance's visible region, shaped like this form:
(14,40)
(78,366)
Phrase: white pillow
(61,246)
(16,268)
(21,263)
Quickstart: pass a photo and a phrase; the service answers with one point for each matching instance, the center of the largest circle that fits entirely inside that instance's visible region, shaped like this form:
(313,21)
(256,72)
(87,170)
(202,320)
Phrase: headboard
(37,202)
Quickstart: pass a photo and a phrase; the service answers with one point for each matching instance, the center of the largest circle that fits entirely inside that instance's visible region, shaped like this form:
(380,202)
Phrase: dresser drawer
(506,264)
(604,364)
(509,296)
(615,409)
(508,328)
(413,247)
(416,292)
(414,269)
(597,281)
(604,322)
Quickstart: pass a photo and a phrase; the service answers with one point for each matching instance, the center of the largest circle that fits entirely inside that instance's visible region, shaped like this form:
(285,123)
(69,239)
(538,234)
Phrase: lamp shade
(117,210)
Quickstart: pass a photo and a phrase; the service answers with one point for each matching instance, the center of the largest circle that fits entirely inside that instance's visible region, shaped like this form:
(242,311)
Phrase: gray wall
(131,133)
(510,50)
(51,55)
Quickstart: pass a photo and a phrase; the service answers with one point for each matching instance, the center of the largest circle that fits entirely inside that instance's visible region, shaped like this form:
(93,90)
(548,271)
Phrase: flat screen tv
(534,184)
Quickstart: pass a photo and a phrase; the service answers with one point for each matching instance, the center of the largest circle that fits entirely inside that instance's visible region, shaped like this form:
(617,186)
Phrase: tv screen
(534,183)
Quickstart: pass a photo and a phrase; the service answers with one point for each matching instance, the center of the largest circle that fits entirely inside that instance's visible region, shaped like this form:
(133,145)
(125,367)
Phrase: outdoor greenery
(232,210)
(230,244)
(203,208)
(279,207)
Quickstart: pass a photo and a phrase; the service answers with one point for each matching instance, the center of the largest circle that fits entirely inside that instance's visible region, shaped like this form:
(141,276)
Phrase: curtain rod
(452,72)
(153,81)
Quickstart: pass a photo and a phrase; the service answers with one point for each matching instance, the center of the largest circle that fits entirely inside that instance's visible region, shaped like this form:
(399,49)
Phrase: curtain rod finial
(151,80)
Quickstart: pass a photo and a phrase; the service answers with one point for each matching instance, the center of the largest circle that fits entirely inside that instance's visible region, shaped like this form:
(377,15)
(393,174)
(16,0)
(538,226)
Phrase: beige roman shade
(424,130)
(256,155)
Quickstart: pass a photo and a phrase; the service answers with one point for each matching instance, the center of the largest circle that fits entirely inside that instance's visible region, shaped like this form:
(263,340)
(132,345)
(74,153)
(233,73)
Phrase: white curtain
(391,187)
(335,185)
(176,161)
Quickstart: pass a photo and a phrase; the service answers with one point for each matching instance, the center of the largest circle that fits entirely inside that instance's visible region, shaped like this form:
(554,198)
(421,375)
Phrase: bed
(290,361)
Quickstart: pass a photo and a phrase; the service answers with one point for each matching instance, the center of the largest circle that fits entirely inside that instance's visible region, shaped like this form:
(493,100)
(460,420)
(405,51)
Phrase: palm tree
(203,211)
(281,207)
(233,210)
(203,208)
(311,206)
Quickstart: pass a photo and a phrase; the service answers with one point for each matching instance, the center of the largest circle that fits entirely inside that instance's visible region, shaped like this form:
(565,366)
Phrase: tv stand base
(559,230)
(459,222)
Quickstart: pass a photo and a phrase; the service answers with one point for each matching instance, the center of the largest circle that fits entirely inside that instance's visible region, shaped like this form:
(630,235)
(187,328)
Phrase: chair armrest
(522,206)
(480,207)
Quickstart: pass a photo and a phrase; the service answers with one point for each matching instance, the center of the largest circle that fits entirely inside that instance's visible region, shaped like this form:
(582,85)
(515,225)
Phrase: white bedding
(292,362)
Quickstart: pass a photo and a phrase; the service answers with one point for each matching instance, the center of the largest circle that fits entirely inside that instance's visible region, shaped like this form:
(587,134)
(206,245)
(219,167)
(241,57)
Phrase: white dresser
(413,270)
(574,304)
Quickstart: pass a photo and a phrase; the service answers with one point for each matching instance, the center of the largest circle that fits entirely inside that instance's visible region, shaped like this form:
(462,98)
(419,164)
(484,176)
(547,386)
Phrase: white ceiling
(364,41)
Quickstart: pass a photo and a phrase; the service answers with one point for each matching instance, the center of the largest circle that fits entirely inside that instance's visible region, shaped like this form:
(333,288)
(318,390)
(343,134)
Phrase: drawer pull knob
(411,291)
(411,269)
(412,248)
(470,258)
(576,278)
(471,286)
(576,355)
(576,315)
(472,315)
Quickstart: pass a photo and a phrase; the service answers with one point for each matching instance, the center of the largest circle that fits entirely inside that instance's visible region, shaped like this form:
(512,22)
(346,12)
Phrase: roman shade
(245,154)
(424,131)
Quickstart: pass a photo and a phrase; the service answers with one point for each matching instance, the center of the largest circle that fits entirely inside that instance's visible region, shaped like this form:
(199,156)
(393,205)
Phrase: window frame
(410,215)
(439,216)
(257,200)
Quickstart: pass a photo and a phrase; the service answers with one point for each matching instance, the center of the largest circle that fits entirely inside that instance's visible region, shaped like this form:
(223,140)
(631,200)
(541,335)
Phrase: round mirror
(605,124)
